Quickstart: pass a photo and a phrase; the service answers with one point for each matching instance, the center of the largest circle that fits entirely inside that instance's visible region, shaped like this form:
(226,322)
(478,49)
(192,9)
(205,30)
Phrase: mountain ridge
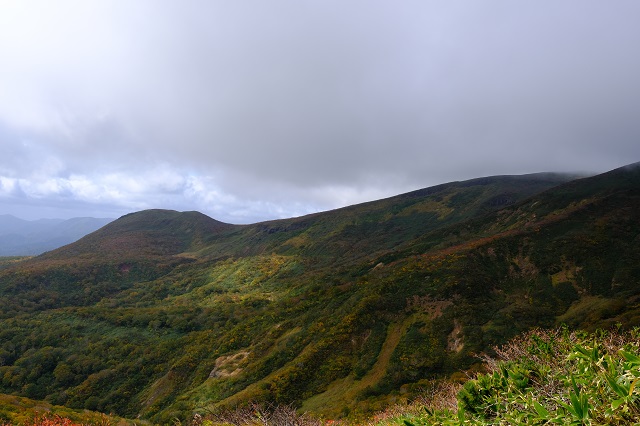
(19,237)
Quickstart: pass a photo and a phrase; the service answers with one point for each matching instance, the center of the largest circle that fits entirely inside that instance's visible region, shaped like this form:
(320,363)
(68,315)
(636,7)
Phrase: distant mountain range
(20,237)
(163,314)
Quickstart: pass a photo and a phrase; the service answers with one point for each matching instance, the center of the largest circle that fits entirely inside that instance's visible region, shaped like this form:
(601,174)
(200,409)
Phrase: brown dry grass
(258,415)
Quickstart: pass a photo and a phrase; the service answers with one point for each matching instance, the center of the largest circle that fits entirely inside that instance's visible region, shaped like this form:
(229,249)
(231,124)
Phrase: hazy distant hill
(162,314)
(20,237)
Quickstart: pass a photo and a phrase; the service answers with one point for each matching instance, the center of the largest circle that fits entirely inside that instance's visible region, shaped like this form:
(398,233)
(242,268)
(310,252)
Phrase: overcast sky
(254,110)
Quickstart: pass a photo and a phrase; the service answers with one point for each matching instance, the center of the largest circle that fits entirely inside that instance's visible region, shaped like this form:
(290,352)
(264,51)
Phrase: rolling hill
(163,314)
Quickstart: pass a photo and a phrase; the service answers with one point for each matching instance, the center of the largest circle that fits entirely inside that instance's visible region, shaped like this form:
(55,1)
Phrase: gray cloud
(253,110)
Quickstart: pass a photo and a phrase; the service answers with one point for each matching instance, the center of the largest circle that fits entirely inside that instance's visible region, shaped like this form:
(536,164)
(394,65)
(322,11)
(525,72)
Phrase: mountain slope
(383,224)
(146,233)
(334,311)
(137,247)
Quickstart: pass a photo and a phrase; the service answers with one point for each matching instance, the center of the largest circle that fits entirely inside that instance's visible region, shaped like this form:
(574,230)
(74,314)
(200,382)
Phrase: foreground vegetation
(544,377)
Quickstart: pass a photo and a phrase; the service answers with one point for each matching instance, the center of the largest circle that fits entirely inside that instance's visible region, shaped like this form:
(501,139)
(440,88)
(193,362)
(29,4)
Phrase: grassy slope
(288,311)
(18,410)
(6,261)
(348,388)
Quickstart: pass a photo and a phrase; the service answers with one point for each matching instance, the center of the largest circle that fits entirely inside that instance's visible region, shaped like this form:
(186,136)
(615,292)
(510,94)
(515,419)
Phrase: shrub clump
(257,415)
(549,377)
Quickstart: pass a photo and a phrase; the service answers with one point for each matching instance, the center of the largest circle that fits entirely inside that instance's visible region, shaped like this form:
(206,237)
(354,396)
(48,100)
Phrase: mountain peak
(147,232)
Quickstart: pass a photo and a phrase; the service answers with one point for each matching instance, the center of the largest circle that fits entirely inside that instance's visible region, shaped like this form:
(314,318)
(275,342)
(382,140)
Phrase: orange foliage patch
(49,421)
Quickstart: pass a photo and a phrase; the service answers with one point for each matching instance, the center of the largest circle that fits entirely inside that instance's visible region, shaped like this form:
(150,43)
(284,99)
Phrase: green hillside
(16,410)
(163,314)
